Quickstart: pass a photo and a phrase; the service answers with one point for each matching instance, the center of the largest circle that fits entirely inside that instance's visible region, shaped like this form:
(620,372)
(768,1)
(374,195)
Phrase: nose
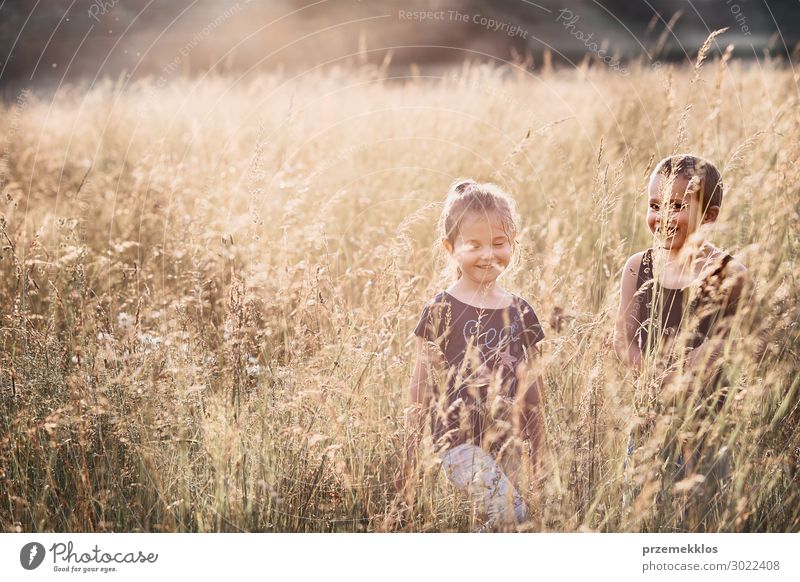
(668,217)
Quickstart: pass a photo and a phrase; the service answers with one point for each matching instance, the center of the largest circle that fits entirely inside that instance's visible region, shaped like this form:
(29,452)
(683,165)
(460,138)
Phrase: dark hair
(467,196)
(707,180)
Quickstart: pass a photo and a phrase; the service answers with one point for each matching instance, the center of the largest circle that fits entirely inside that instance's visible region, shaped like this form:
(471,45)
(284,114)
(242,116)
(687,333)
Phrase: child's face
(482,248)
(673,216)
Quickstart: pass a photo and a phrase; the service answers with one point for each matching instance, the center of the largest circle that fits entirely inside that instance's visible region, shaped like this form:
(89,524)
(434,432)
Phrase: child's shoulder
(730,278)
(522,305)
(441,299)
(726,263)
(734,273)
(434,315)
(734,268)
(630,279)
(437,303)
(520,301)
(635,261)
(531,327)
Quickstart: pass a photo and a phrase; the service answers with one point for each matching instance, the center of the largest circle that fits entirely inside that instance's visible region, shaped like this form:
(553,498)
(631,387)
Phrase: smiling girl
(476,343)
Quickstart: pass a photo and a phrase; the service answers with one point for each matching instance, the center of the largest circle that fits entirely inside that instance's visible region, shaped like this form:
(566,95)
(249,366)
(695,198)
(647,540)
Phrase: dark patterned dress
(478,346)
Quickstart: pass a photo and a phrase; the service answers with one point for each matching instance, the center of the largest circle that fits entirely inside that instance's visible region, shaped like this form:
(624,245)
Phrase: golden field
(209,287)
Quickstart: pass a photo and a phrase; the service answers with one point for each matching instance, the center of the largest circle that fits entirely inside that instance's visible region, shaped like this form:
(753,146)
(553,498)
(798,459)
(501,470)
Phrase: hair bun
(460,186)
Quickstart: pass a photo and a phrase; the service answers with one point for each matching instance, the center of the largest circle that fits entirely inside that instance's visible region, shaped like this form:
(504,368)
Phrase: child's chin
(487,275)
(673,242)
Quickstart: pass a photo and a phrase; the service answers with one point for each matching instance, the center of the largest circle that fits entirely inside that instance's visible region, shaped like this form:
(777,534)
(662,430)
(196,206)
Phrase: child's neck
(485,294)
(687,262)
(687,254)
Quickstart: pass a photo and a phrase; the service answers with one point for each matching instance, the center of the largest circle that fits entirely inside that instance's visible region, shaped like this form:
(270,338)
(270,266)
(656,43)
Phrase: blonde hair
(466,197)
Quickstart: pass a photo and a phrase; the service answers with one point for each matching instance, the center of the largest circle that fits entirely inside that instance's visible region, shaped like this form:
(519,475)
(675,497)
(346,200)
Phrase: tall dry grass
(208,291)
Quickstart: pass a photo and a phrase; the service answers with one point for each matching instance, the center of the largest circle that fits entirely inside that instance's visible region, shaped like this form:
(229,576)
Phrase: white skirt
(474,471)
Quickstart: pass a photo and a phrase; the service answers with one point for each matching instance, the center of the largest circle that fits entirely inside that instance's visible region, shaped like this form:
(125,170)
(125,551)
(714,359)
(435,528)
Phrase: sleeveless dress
(660,311)
(693,314)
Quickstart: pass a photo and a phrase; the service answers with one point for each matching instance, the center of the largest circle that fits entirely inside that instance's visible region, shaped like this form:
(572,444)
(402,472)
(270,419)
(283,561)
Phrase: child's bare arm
(532,412)
(418,394)
(625,325)
(419,391)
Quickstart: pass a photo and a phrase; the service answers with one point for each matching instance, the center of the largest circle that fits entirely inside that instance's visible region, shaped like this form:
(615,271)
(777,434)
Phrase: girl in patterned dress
(476,347)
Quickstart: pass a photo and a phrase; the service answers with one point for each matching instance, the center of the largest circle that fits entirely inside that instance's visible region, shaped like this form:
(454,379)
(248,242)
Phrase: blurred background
(45,43)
